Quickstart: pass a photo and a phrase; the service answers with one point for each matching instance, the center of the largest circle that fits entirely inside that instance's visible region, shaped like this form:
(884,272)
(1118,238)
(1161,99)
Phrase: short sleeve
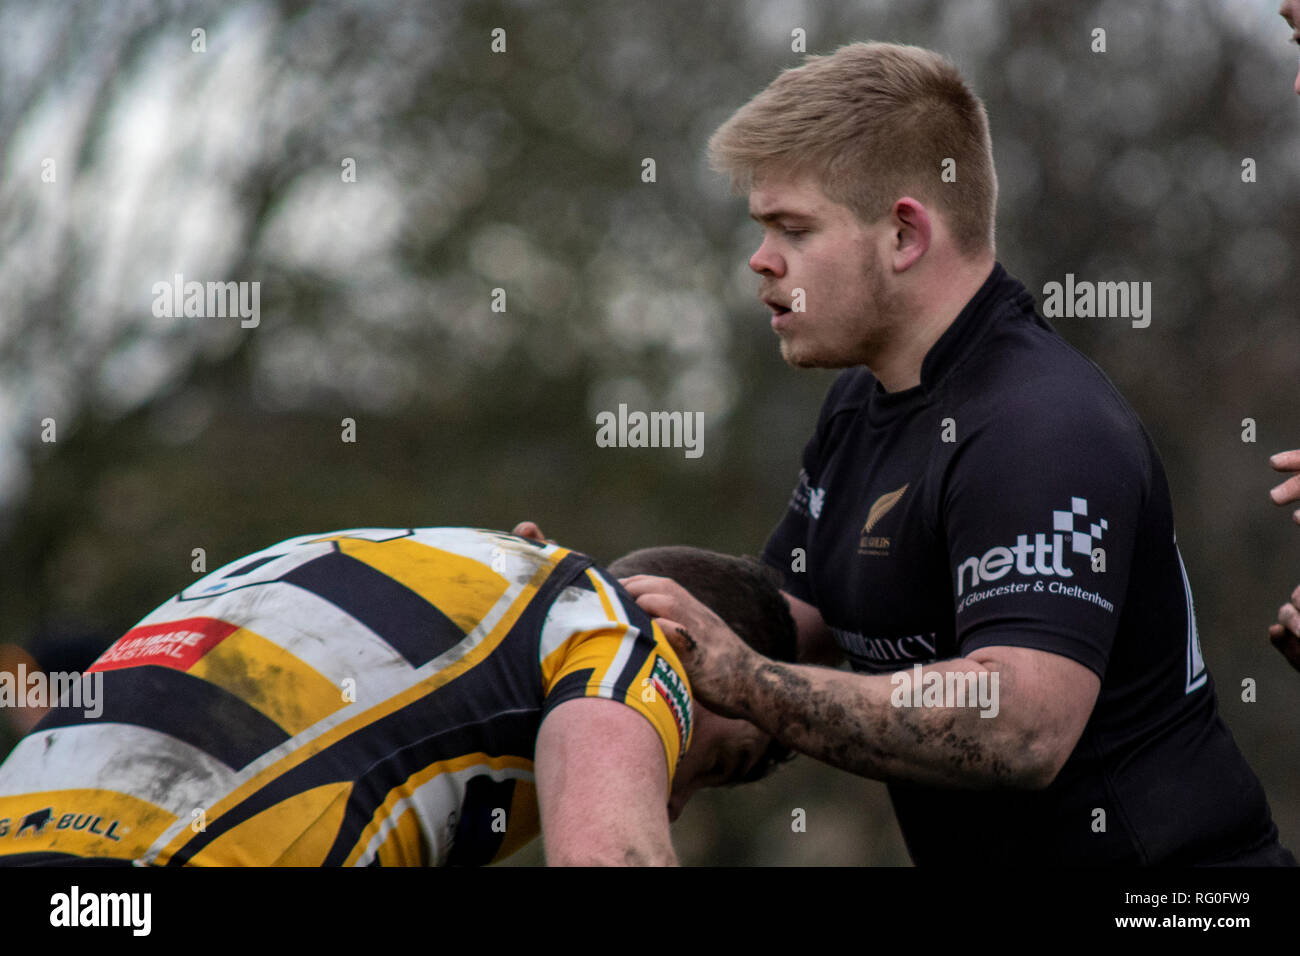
(1041,506)
(791,534)
(596,642)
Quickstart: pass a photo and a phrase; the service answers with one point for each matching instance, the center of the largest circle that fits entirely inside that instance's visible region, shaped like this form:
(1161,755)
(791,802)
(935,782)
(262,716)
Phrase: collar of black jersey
(971,322)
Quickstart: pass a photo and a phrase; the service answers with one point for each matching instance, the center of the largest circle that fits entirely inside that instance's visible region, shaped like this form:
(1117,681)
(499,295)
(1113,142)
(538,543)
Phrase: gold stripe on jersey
(607,674)
(309,820)
(525,819)
(404,845)
(465,589)
(264,675)
(419,779)
(85,822)
(312,747)
(553,664)
(606,604)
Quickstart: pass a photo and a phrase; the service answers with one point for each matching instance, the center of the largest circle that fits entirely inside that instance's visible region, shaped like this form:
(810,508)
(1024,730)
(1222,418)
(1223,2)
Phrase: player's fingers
(639,584)
(1295,596)
(1289,618)
(648,594)
(1286,492)
(1286,460)
(678,637)
(529,530)
(656,604)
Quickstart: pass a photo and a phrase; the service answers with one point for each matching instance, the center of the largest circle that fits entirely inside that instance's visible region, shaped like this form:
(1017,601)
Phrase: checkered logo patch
(1064,521)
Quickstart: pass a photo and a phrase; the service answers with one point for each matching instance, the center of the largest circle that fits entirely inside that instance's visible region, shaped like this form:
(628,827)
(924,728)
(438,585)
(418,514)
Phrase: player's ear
(912,232)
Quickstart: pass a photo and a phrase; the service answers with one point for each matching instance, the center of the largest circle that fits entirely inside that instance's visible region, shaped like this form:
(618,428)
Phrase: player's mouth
(779,312)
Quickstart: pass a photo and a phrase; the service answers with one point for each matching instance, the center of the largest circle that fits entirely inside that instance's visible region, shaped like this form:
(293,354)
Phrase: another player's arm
(602,786)
(849,720)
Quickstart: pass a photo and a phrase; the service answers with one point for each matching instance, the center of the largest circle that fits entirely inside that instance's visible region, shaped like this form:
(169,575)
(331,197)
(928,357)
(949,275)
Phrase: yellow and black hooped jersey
(362,698)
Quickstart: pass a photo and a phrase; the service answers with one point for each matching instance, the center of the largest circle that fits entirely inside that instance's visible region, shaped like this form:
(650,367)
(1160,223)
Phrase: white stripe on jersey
(162,769)
(309,627)
(629,638)
(575,610)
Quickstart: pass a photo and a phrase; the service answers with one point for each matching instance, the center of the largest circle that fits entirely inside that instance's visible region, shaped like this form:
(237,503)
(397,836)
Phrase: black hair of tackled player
(743,592)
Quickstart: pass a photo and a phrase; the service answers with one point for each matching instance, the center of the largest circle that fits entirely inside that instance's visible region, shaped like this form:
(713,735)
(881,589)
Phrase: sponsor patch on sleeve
(670,686)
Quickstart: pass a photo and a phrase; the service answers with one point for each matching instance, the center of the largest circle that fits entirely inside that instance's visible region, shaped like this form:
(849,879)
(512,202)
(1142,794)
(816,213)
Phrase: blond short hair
(872,122)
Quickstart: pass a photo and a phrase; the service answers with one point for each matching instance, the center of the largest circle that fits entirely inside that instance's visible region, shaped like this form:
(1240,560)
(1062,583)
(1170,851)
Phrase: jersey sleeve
(596,642)
(1041,507)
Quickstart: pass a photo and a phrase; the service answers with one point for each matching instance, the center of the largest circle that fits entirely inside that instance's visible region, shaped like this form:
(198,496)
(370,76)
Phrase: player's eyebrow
(776,214)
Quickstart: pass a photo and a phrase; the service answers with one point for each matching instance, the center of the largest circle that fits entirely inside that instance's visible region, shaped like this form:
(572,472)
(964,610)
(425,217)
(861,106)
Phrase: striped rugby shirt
(359,698)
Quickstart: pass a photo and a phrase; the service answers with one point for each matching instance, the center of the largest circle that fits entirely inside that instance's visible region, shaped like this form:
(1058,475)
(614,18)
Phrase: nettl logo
(1043,556)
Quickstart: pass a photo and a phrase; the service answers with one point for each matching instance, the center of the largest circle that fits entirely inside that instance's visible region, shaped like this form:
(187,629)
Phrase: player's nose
(766,262)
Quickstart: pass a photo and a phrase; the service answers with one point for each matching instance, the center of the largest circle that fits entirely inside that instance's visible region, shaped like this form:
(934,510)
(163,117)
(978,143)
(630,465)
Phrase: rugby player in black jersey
(981,524)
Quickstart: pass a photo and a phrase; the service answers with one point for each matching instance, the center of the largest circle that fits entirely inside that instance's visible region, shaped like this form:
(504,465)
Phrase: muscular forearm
(849,721)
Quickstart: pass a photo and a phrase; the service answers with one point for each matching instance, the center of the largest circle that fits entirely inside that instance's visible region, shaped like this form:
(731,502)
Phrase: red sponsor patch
(175,644)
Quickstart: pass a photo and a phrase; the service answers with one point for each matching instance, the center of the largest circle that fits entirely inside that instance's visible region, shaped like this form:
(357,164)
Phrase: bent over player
(384,697)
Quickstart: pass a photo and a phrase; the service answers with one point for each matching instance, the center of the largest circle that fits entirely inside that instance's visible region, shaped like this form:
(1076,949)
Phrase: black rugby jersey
(1014,498)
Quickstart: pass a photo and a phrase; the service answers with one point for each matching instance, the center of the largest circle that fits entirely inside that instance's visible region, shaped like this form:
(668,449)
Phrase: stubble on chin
(794,357)
(802,358)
